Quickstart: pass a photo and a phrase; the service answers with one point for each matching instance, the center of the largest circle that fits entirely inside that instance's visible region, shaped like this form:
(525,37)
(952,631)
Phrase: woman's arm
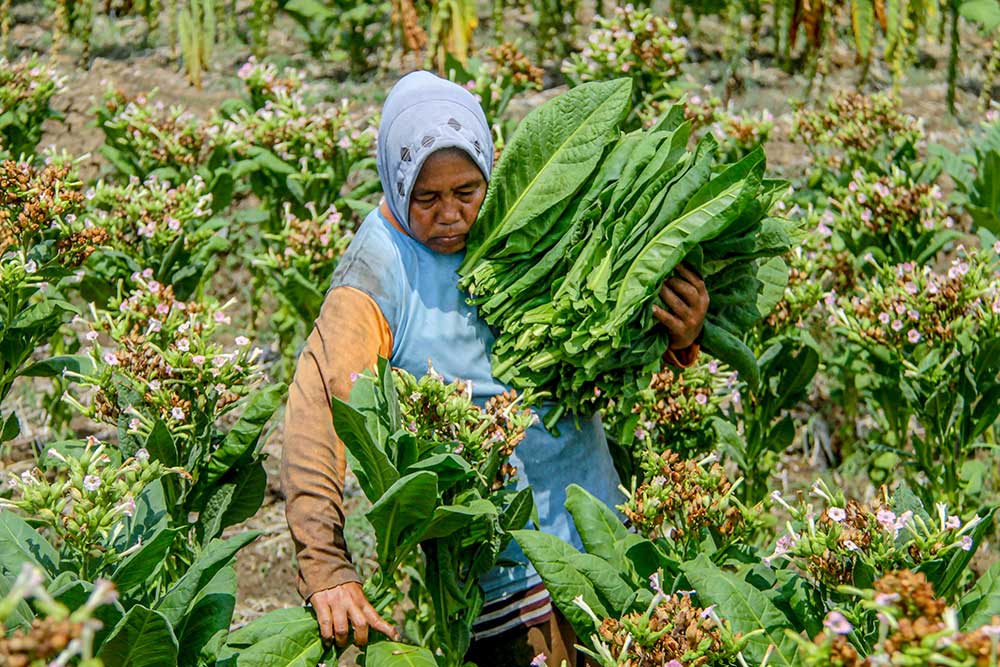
(349,336)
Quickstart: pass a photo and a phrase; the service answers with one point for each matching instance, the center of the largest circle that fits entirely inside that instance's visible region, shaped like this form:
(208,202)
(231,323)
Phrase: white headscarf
(424,113)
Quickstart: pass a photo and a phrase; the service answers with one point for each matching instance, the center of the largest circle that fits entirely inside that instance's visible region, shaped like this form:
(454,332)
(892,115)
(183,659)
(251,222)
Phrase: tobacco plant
(931,339)
(843,542)
(631,43)
(689,507)
(765,607)
(165,380)
(153,224)
(867,132)
(675,412)
(436,470)
(42,242)
(892,218)
(672,631)
(435,466)
(737,134)
(82,502)
(344,31)
(905,622)
(295,265)
(143,137)
(293,151)
(26,89)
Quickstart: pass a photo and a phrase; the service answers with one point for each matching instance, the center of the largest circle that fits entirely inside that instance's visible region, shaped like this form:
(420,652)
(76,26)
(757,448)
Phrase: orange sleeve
(684,357)
(348,337)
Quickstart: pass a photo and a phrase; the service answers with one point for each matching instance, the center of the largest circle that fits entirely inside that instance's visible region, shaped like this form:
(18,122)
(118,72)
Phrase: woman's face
(446,200)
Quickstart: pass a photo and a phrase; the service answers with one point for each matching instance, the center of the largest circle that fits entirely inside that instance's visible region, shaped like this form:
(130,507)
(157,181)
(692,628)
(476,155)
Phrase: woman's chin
(447,245)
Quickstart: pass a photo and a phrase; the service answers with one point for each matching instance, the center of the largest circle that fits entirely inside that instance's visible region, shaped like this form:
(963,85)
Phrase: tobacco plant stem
(953,55)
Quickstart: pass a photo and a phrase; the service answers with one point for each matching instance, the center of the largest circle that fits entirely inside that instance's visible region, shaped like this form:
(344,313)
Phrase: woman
(394,294)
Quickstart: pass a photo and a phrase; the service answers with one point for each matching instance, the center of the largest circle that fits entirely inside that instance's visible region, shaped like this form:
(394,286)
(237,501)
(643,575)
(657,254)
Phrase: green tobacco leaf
(160,444)
(41,314)
(730,350)
(242,438)
(21,615)
(409,502)
(982,603)
(150,517)
(554,150)
(207,626)
(665,252)
(143,638)
(553,559)
(366,456)
(282,638)
(138,566)
(55,366)
(10,428)
(448,519)
(746,608)
(235,499)
(518,511)
(20,544)
(985,13)
(177,602)
(392,654)
(773,274)
(601,530)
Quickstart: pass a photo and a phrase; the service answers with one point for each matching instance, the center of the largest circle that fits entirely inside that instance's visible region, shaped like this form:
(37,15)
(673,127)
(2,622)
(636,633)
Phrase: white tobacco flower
(836,514)
(91,483)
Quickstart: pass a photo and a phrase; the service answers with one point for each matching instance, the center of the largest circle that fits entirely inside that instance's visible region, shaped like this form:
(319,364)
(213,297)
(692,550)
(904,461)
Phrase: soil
(266,569)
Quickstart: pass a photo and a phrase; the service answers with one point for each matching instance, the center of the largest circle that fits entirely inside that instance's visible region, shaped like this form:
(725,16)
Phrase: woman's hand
(344,606)
(687,300)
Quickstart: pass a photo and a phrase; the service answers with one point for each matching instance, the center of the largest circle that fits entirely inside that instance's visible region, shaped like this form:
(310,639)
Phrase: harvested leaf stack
(582,224)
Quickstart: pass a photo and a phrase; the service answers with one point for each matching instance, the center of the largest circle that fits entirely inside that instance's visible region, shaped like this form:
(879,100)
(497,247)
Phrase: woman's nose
(451,211)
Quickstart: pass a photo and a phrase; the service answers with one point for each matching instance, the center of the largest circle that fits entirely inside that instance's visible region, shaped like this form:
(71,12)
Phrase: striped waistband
(524,609)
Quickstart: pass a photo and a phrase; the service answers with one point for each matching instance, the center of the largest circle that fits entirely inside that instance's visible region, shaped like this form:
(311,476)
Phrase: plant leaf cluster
(581,225)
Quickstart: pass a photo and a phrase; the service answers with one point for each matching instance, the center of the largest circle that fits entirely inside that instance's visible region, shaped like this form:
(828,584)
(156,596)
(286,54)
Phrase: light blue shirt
(417,290)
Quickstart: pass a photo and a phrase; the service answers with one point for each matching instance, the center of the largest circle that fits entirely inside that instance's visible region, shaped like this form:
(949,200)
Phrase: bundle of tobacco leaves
(582,224)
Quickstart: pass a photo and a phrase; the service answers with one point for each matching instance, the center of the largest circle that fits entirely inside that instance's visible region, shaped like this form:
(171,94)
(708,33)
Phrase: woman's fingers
(360,623)
(674,324)
(682,288)
(325,620)
(689,274)
(674,302)
(341,628)
(378,623)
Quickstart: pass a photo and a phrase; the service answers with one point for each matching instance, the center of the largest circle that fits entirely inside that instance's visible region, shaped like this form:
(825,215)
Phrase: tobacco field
(179,178)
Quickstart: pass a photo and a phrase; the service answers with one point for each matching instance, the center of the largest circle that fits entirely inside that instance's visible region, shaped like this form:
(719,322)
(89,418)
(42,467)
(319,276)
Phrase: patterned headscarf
(424,113)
